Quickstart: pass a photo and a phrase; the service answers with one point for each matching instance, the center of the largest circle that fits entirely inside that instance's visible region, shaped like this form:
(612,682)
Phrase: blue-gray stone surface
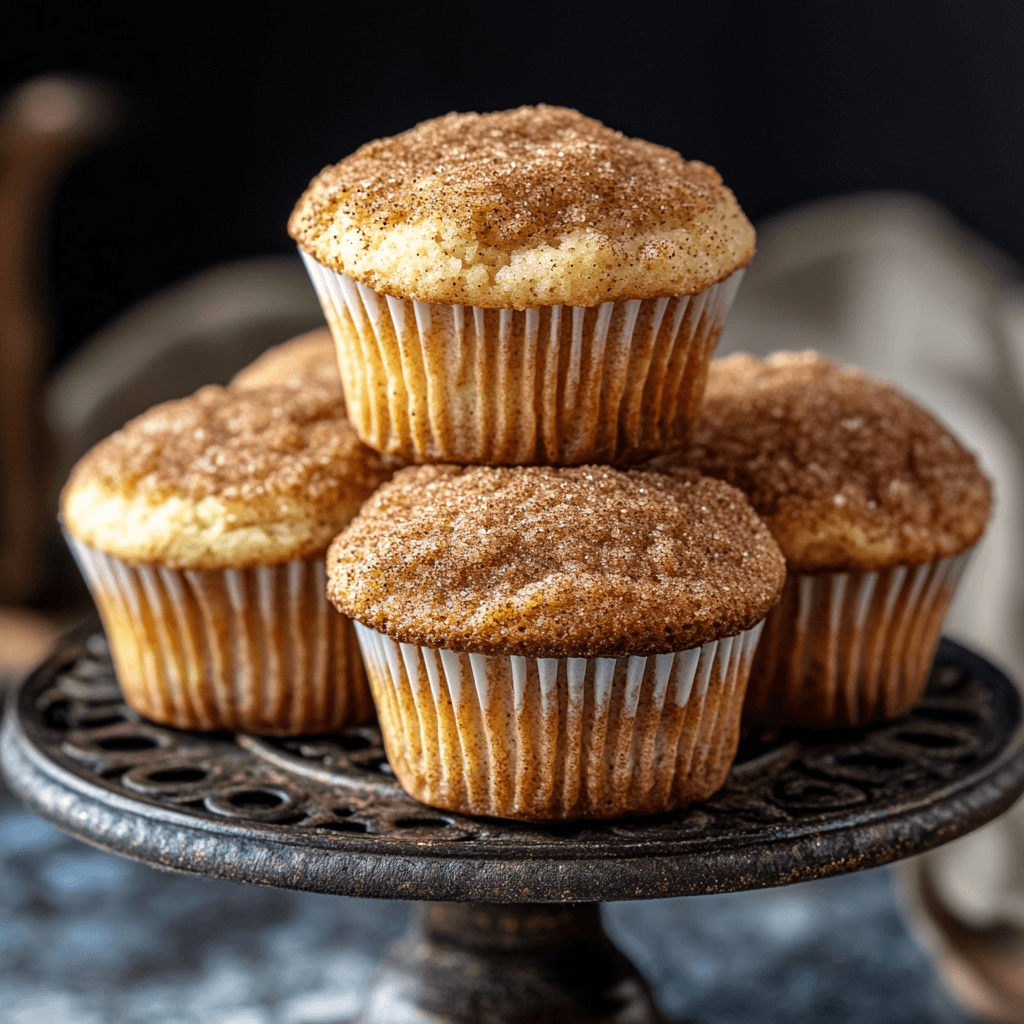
(90,938)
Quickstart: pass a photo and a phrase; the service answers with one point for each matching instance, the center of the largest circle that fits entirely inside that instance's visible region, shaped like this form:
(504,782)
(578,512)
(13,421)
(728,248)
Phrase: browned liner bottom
(544,739)
(252,650)
(846,649)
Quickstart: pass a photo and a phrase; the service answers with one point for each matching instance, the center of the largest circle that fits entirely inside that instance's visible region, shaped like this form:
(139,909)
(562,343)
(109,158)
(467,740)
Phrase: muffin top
(308,358)
(845,469)
(529,207)
(544,562)
(224,478)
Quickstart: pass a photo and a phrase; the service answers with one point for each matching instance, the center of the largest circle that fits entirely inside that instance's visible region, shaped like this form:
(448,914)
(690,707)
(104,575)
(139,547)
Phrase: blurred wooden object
(980,956)
(26,637)
(200,330)
(45,125)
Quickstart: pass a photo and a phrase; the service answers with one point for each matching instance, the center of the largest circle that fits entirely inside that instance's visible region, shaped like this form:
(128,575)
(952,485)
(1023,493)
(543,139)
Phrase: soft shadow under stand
(507,927)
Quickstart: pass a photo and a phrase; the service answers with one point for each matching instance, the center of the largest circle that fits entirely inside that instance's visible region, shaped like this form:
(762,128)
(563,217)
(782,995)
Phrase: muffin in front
(876,507)
(524,287)
(556,643)
(201,528)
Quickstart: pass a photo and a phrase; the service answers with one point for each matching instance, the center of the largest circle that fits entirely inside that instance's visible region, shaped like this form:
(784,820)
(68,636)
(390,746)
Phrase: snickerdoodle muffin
(201,528)
(548,643)
(309,357)
(876,507)
(523,287)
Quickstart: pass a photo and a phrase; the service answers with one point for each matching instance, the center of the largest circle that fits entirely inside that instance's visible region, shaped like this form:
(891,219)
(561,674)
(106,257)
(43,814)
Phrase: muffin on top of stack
(527,287)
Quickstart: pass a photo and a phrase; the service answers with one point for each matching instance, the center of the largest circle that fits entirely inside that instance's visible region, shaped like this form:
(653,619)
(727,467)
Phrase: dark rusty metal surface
(324,814)
(462,963)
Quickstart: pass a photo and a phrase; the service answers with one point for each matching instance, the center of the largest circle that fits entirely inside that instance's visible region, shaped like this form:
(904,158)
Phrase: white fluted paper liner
(847,648)
(256,650)
(555,385)
(556,738)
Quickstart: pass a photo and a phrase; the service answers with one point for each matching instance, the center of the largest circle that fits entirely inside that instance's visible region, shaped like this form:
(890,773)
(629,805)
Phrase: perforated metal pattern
(325,813)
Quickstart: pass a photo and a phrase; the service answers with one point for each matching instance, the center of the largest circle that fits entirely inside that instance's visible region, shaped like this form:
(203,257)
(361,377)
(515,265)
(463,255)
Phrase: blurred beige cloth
(892,283)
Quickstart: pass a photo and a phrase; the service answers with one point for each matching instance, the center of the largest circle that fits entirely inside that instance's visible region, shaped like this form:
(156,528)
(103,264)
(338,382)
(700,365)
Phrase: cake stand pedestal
(508,928)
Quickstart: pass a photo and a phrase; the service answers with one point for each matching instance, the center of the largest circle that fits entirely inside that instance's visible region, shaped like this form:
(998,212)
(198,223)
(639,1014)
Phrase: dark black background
(232,108)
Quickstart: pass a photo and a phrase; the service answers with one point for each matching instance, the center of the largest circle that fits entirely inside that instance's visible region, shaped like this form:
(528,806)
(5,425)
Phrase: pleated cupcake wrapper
(556,738)
(557,385)
(256,649)
(848,648)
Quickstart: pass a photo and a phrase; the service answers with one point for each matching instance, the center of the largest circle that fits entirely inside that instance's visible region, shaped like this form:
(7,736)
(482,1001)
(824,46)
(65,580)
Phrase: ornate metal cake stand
(515,932)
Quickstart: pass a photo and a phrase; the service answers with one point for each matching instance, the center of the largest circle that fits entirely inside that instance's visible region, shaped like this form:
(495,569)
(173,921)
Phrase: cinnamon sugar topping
(521,176)
(847,471)
(534,206)
(225,477)
(274,441)
(581,562)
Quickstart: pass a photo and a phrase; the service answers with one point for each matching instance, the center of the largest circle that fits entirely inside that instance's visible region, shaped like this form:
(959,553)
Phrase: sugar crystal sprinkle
(513,201)
(846,470)
(545,582)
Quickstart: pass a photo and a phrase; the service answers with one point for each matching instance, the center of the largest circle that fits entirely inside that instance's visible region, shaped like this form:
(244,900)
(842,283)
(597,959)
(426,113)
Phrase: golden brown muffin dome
(224,479)
(580,562)
(307,358)
(529,207)
(846,470)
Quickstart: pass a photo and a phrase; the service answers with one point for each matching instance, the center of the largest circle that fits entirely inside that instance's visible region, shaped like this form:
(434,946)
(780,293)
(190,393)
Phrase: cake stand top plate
(324,813)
